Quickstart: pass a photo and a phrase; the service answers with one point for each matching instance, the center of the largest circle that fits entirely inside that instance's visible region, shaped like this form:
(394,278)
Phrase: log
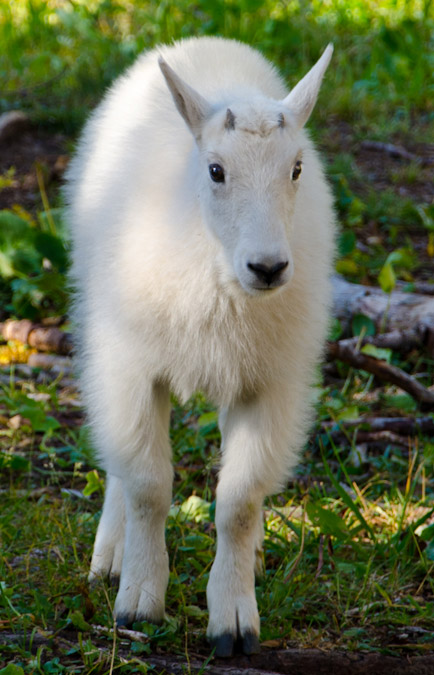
(398,311)
(43,338)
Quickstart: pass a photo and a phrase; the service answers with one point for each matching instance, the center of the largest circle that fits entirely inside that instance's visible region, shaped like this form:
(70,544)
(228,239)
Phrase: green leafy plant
(33,262)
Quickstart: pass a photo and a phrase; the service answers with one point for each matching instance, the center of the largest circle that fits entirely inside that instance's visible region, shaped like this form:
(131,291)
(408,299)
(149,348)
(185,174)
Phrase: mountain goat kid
(202,246)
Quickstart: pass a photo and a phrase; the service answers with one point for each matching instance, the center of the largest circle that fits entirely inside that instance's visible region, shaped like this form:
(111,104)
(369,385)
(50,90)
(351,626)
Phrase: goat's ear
(191,105)
(302,98)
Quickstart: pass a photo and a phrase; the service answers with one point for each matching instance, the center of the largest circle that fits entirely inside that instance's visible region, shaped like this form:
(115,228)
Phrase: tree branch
(345,351)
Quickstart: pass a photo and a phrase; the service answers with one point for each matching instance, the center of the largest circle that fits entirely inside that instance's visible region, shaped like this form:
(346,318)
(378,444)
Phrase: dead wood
(345,351)
(12,124)
(42,338)
(398,340)
(404,426)
(398,311)
(396,151)
(421,287)
(53,362)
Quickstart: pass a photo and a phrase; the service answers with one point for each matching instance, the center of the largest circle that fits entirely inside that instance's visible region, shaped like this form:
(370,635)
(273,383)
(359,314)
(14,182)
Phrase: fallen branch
(42,338)
(345,351)
(421,287)
(398,340)
(396,151)
(404,426)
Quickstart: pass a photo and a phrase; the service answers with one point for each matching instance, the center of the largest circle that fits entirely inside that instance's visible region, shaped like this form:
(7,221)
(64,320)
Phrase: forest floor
(61,628)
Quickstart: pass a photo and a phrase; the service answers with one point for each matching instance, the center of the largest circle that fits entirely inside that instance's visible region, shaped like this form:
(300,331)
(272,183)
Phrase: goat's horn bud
(230,120)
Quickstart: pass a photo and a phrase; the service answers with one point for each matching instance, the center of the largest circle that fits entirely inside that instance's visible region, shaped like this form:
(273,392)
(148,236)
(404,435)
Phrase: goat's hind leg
(136,451)
(147,477)
(109,541)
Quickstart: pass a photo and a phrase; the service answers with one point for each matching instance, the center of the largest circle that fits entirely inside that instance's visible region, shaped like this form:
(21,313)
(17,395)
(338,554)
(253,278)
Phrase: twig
(396,151)
(422,287)
(381,437)
(133,635)
(404,426)
(344,351)
(399,340)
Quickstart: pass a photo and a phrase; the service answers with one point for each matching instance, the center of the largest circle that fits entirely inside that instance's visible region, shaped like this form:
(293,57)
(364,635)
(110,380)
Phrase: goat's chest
(218,349)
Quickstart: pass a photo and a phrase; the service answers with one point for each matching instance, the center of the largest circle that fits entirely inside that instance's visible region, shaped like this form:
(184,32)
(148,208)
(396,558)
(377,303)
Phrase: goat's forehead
(256,138)
(260,117)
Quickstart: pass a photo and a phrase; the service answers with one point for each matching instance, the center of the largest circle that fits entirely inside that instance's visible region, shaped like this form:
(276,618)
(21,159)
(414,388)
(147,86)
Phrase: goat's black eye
(296,171)
(216,172)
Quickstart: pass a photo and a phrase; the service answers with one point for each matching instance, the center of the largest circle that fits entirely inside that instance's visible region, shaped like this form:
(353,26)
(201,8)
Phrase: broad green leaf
(347,266)
(364,323)
(426,214)
(427,534)
(12,669)
(38,418)
(429,551)
(51,247)
(380,353)
(194,508)
(350,412)
(12,227)
(347,242)
(387,278)
(207,418)
(335,330)
(94,483)
(327,521)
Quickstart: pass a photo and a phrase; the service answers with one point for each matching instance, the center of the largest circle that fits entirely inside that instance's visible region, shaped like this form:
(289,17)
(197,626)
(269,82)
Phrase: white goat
(203,240)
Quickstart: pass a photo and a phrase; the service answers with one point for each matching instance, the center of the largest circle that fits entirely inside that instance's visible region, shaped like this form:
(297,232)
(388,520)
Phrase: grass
(348,549)
(59,56)
(349,546)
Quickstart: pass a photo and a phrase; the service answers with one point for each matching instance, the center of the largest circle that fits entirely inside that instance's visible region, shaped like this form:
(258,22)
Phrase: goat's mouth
(258,291)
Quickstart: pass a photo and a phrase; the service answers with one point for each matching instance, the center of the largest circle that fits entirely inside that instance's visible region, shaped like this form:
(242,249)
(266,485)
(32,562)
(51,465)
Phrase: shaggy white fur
(201,260)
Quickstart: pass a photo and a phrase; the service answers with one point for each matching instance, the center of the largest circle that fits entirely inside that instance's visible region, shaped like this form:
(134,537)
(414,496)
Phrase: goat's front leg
(257,456)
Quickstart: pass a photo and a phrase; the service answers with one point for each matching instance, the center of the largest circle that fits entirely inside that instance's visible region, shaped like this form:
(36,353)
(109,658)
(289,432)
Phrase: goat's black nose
(267,274)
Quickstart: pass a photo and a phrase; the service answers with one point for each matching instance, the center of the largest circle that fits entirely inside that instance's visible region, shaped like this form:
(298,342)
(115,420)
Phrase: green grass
(349,546)
(58,57)
(349,549)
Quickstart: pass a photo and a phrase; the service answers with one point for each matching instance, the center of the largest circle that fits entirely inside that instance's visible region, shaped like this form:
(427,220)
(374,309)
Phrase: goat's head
(250,167)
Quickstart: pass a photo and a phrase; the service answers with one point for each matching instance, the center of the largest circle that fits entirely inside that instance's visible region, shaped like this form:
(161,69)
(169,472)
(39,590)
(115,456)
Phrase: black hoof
(124,621)
(249,644)
(224,645)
